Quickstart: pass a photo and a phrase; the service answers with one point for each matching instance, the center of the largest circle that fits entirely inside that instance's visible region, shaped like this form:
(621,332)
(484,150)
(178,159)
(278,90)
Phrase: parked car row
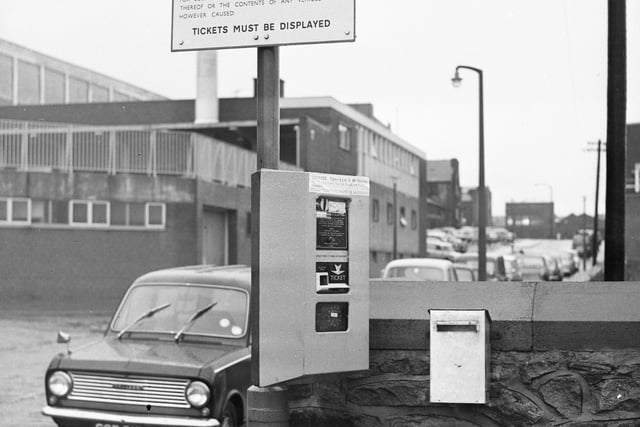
(499,267)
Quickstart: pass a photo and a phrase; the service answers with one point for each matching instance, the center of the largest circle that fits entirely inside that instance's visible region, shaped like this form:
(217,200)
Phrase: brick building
(92,194)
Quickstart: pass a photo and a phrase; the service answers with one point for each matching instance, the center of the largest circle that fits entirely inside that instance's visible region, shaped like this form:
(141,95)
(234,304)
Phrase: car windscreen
(473,263)
(464,275)
(226,318)
(416,273)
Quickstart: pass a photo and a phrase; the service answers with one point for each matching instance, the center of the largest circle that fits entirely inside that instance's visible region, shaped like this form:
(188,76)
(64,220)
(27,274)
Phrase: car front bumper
(112,417)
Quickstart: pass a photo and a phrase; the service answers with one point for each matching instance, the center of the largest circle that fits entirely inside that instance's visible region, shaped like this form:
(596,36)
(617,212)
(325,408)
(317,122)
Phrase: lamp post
(552,219)
(482,195)
(395,217)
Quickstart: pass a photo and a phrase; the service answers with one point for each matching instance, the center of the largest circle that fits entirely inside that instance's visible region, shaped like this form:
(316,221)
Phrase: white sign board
(215,24)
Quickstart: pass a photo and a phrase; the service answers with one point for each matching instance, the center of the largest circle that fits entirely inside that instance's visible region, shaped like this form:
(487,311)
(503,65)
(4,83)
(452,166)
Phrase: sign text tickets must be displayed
(209,24)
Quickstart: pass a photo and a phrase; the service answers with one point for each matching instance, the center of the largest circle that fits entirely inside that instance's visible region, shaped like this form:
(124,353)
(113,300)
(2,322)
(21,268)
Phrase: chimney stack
(207,87)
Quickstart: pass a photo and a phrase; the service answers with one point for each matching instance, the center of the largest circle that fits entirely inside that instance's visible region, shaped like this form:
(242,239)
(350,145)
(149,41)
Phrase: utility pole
(584,233)
(614,257)
(595,216)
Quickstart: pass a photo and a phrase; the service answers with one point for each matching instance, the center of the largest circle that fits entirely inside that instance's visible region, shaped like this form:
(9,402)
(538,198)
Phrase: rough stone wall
(569,388)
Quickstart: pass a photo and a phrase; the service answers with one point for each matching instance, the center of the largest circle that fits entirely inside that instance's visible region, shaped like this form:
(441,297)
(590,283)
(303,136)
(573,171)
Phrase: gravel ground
(28,344)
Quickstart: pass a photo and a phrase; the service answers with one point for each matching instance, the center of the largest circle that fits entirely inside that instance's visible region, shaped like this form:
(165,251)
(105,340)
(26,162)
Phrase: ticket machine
(310,292)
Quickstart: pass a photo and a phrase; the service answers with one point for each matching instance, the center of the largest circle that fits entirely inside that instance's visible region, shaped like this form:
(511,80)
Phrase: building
(632,203)
(93,194)
(444,193)
(470,206)
(531,220)
(28,77)
(568,226)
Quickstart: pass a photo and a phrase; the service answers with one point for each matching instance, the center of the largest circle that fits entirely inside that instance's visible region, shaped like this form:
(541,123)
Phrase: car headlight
(197,394)
(60,383)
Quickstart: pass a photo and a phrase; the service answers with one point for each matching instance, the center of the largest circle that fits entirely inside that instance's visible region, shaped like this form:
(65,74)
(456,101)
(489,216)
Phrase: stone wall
(574,362)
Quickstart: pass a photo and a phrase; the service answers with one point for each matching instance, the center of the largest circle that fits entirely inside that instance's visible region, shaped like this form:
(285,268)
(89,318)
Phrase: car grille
(129,390)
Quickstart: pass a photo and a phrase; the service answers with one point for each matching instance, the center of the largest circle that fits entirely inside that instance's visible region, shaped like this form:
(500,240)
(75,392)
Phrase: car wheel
(229,416)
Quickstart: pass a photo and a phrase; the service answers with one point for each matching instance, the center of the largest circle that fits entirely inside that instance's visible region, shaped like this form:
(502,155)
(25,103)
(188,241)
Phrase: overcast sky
(544,64)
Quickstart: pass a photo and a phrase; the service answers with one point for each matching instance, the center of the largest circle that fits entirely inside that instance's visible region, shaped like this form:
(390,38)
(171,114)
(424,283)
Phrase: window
(84,212)
(28,83)
(53,87)
(6,80)
(155,215)
(375,210)
(78,91)
(414,219)
(119,96)
(344,141)
(637,178)
(15,211)
(403,217)
(390,213)
(99,94)
(150,215)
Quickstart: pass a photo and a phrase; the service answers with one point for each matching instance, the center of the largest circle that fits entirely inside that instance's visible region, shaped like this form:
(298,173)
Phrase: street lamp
(482,195)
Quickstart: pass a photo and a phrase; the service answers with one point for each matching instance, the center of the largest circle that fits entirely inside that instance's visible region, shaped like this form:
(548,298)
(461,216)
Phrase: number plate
(115,425)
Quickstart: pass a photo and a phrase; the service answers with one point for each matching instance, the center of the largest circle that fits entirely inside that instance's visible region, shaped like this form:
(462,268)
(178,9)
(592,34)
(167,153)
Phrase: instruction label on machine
(343,185)
(331,224)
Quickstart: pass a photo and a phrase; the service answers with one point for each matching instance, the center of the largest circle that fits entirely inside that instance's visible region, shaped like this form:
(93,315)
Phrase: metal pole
(395,220)
(482,215)
(482,193)
(584,233)
(268,104)
(595,216)
(266,406)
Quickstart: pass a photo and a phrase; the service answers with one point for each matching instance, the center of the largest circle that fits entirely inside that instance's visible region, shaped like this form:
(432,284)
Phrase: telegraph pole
(614,257)
(595,216)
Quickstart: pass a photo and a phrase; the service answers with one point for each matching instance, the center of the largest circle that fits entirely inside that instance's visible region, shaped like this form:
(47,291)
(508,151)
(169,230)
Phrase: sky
(544,64)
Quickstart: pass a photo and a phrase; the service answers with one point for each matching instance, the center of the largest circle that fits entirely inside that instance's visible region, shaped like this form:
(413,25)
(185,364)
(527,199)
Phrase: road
(28,344)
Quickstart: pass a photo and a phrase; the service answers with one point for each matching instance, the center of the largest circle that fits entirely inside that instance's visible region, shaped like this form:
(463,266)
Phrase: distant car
(427,269)
(440,249)
(534,267)
(176,353)
(495,265)
(569,263)
(555,270)
(582,242)
(512,268)
(465,273)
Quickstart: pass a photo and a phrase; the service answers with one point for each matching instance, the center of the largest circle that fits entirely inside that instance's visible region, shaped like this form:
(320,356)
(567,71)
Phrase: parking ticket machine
(310,290)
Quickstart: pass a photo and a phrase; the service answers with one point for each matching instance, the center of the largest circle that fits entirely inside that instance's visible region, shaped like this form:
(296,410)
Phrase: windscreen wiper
(143,316)
(192,319)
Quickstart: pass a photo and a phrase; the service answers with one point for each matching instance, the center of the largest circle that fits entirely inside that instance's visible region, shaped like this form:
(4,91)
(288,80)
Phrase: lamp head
(456,81)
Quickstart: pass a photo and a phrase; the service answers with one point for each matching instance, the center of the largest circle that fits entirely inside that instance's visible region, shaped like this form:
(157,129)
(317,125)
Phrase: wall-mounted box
(459,356)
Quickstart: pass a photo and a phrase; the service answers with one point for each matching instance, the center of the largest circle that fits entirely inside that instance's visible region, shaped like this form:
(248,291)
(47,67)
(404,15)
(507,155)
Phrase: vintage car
(175,353)
(420,269)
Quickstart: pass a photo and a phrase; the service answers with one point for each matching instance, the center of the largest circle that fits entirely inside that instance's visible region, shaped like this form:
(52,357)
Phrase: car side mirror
(64,338)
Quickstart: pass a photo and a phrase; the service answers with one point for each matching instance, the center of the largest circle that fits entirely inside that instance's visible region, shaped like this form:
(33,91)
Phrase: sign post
(265,24)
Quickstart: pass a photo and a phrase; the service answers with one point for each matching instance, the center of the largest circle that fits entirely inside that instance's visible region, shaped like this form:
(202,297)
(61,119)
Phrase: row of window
(86,213)
(375,215)
(36,84)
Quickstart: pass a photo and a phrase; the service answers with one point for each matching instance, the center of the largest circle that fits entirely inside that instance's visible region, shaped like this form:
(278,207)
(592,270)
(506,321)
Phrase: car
(175,353)
(495,265)
(569,262)
(512,268)
(534,267)
(465,273)
(440,249)
(427,269)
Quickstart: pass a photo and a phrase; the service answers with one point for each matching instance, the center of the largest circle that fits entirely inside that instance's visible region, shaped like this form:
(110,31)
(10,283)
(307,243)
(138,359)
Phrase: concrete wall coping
(525,315)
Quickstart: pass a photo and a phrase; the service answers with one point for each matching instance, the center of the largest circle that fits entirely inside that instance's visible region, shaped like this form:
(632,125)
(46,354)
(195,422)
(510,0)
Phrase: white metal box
(459,356)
